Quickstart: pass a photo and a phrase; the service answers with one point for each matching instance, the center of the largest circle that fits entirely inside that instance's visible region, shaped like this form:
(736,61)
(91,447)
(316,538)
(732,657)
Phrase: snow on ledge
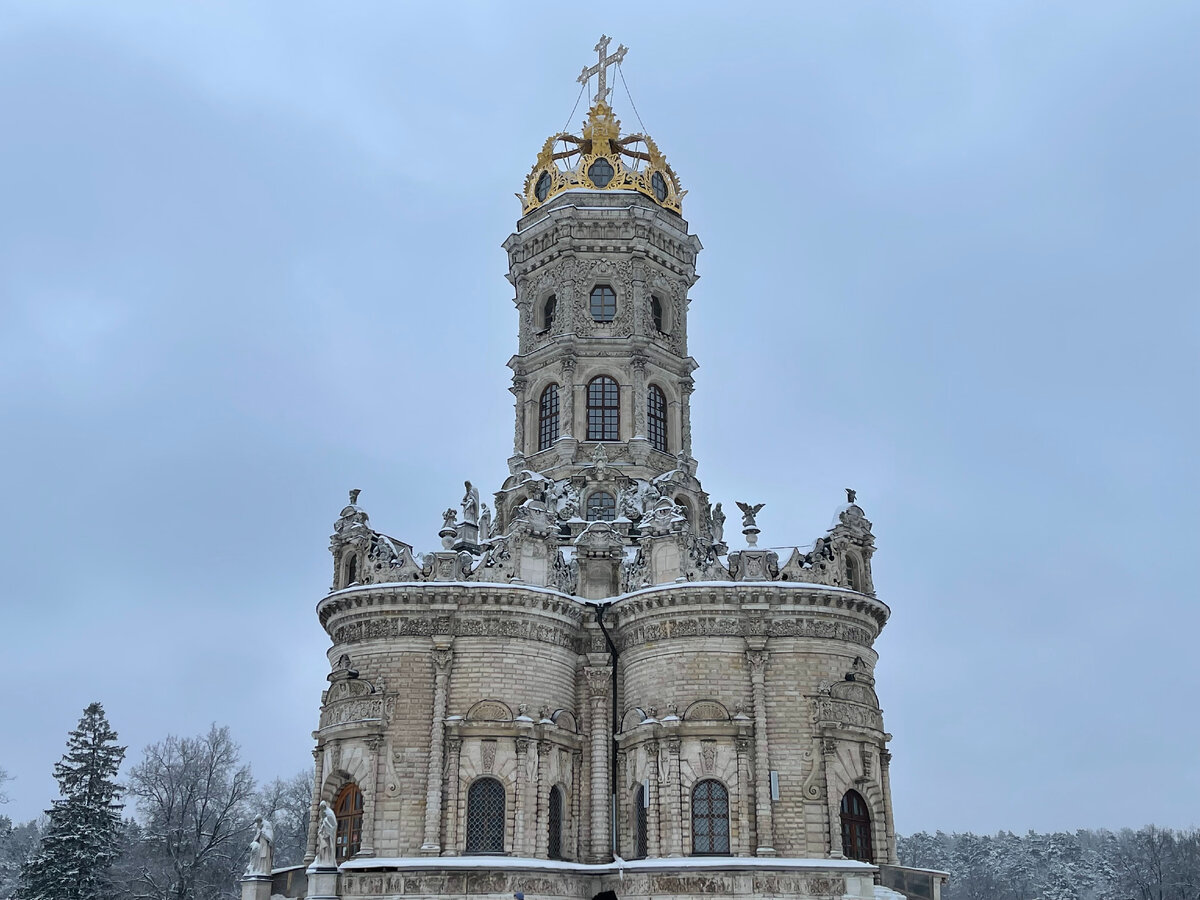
(695,863)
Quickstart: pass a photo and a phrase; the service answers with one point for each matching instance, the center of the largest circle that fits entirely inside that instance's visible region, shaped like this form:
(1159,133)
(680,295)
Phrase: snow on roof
(722,863)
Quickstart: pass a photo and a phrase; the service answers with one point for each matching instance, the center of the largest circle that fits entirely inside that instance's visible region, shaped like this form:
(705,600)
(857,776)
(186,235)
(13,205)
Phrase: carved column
(674,829)
(542,785)
(518,391)
(639,395)
(757,658)
(653,838)
(367,844)
(832,800)
(885,766)
(310,848)
(598,682)
(443,656)
(522,792)
(454,749)
(742,745)
(686,386)
(576,803)
(567,396)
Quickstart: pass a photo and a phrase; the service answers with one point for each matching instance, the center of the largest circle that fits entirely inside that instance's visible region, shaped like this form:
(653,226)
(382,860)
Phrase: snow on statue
(326,836)
(261,848)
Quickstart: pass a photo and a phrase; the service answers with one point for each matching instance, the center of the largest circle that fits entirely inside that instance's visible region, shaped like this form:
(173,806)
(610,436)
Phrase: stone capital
(599,680)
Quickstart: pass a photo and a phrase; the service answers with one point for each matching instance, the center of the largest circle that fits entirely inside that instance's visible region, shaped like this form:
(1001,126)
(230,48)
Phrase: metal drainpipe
(601,609)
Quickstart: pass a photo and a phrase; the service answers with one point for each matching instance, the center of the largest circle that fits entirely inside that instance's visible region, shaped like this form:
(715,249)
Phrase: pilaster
(443,657)
(742,746)
(832,800)
(885,767)
(599,680)
(653,838)
(674,829)
(542,793)
(454,750)
(366,846)
(757,657)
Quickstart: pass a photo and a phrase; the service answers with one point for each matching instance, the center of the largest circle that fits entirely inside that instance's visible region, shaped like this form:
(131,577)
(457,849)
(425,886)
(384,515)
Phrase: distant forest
(1148,864)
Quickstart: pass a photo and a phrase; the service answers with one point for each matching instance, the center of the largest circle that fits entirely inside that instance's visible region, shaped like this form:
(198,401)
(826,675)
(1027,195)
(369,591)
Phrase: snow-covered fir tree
(80,843)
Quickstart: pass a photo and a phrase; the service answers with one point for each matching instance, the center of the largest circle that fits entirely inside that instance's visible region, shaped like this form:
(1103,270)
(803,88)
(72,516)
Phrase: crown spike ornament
(600,158)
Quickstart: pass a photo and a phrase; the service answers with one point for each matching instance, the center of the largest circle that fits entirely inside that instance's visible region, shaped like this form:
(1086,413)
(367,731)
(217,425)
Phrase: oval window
(659,184)
(542,189)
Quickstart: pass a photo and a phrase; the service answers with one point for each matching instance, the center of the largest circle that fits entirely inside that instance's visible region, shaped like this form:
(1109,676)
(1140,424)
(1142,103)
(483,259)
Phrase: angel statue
(326,837)
(748,513)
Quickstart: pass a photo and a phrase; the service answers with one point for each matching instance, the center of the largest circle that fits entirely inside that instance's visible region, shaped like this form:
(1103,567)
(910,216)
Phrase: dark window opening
(348,807)
(485,817)
(710,819)
(853,578)
(603,303)
(555,820)
(603,409)
(601,507)
(601,172)
(548,417)
(656,313)
(656,418)
(548,312)
(640,844)
(856,828)
(352,569)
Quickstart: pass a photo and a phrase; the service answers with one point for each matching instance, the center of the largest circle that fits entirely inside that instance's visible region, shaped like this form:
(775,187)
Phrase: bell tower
(602,261)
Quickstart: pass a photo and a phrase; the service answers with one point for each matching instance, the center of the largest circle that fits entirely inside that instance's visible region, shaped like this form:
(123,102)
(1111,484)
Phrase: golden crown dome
(600,159)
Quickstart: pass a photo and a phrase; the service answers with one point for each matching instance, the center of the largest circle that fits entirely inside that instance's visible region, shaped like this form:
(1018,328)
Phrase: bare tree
(4,777)
(287,802)
(193,796)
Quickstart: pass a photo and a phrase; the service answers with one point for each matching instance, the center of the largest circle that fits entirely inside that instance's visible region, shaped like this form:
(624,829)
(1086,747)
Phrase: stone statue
(748,513)
(326,837)
(718,524)
(600,461)
(354,497)
(470,504)
(448,518)
(850,495)
(261,848)
(485,524)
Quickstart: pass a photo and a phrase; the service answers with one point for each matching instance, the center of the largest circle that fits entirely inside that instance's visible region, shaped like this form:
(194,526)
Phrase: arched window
(554,820)
(639,823)
(853,573)
(604,303)
(548,417)
(710,818)
(601,507)
(348,807)
(352,569)
(656,417)
(485,816)
(603,409)
(656,313)
(548,309)
(856,827)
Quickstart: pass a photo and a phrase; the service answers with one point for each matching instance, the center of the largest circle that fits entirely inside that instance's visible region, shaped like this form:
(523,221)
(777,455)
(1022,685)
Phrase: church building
(593,686)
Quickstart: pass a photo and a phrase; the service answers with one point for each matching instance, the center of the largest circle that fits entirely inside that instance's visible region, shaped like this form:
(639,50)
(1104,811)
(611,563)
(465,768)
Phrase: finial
(850,495)
(601,67)
(354,497)
(749,526)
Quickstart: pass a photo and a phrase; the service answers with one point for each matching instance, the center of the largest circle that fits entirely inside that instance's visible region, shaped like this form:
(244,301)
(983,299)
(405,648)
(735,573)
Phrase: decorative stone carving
(487,755)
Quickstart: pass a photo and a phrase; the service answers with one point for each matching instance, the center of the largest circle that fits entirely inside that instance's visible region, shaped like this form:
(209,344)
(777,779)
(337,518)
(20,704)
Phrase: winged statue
(748,513)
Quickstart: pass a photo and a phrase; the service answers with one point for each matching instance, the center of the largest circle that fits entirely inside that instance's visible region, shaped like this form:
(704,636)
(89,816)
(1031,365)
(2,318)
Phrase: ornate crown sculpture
(601,159)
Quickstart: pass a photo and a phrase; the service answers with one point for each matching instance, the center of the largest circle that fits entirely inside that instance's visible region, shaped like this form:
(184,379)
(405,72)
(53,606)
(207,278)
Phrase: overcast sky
(250,258)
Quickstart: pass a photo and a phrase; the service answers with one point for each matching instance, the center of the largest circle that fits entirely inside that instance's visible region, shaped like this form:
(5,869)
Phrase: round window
(542,189)
(659,184)
(601,172)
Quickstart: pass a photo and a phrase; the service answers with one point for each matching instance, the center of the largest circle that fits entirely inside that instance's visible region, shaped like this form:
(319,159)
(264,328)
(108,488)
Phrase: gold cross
(601,67)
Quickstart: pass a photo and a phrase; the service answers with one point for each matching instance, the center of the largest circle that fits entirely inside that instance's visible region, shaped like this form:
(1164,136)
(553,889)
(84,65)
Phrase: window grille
(603,409)
(601,507)
(639,823)
(548,417)
(856,828)
(348,807)
(485,817)
(555,823)
(656,417)
(710,819)
(603,303)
